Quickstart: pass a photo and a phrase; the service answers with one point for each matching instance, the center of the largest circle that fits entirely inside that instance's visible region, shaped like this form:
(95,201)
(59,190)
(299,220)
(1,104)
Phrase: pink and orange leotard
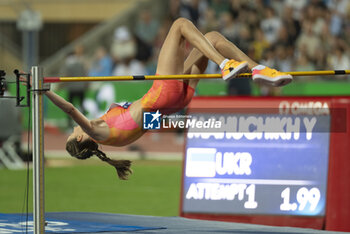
(122,128)
(167,96)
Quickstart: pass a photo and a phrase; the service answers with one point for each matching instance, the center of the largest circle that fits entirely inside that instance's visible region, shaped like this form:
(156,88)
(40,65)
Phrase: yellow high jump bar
(181,77)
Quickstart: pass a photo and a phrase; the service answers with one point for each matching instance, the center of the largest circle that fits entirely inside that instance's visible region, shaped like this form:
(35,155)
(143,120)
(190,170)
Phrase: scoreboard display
(267,158)
(258,172)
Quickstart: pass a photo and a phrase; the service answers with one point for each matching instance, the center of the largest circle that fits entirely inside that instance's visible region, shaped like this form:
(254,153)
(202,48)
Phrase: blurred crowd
(287,35)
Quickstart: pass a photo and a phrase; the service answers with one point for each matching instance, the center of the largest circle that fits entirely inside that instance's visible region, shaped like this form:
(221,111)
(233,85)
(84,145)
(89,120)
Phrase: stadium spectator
(339,60)
(308,40)
(271,25)
(219,6)
(303,63)
(260,44)
(228,27)
(208,22)
(146,27)
(75,65)
(124,49)
(290,23)
(102,63)
(146,30)
(297,6)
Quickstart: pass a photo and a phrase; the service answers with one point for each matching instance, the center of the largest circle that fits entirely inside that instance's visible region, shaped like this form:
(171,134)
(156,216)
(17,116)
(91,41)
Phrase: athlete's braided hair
(87,148)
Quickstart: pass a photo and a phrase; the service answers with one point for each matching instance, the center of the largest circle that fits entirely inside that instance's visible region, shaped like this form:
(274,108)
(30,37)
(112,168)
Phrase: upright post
(38,151)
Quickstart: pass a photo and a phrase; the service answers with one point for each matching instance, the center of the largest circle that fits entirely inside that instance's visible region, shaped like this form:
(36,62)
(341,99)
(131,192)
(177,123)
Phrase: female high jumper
(122,125)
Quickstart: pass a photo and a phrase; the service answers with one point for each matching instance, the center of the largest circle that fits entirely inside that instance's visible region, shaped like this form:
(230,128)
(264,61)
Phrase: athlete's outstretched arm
(68,108)
(73,112)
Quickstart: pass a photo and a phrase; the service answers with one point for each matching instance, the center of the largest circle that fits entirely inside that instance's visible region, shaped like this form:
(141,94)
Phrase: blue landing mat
(15,223)
(172,225)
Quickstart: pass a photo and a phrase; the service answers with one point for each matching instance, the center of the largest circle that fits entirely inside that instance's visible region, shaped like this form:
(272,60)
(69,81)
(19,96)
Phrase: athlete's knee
(212,34)
(180,23)
(214,37)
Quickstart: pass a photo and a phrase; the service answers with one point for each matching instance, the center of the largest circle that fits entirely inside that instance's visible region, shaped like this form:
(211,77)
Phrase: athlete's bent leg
(228,49)
(171,56)
(261,74)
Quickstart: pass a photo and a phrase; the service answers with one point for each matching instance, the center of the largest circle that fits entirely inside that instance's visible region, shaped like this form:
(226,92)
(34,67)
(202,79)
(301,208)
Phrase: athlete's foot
(266,75)
(232,68)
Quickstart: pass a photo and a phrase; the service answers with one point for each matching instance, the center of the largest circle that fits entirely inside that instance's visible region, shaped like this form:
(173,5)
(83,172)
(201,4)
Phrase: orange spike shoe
(266,75)
(232,68)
